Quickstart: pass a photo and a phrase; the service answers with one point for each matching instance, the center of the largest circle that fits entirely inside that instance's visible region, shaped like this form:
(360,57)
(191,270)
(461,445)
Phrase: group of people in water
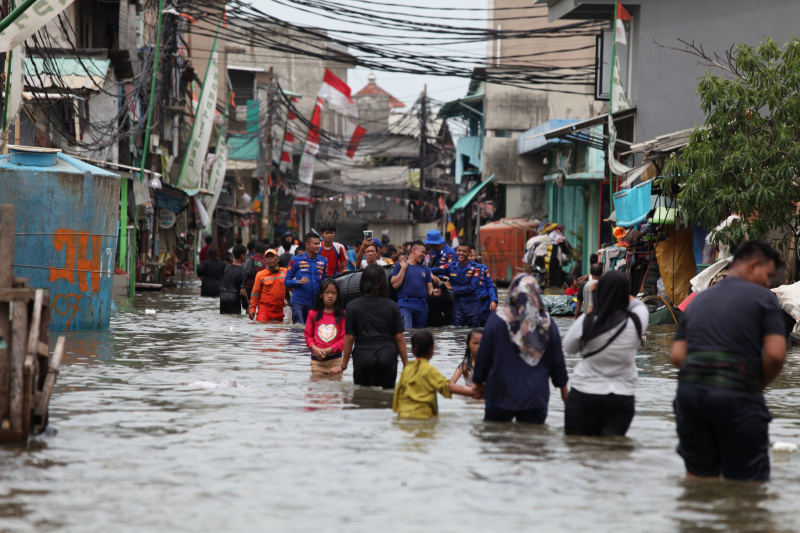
(729,345)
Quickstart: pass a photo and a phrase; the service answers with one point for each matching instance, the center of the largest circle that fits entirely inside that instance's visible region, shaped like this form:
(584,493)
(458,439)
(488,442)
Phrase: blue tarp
(632,205)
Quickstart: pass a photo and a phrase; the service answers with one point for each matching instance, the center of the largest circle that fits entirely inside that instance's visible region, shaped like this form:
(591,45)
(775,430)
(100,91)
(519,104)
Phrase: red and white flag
(311,148)
(354,133)
(619,34)
(337,93)
(289,139)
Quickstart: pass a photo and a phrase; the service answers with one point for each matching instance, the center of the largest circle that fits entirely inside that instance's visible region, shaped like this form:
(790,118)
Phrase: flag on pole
(354,133)
(14,88)
(337,93)
(191,172)
(30,21)
(289,139)
(619,34)
(311,148)
(216,177)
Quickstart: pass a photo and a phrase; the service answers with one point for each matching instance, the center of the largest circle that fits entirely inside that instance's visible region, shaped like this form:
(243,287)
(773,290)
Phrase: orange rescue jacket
(269,291)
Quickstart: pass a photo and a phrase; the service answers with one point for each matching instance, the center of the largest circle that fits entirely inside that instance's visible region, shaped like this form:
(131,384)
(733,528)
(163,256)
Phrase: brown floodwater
(132,447)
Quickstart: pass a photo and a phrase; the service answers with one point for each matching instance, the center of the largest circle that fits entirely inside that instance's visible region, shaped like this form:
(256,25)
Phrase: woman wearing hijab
(601,402)
(519,351)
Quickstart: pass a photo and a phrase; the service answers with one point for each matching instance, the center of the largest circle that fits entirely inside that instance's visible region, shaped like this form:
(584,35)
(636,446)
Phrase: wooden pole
(6,281)
(19,345)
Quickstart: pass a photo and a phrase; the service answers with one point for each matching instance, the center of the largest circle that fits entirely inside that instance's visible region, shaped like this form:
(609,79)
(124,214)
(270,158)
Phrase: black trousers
(599,415)
(375,364)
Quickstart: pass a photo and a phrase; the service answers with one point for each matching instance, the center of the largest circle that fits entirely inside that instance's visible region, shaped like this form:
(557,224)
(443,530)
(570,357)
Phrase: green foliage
(746,158)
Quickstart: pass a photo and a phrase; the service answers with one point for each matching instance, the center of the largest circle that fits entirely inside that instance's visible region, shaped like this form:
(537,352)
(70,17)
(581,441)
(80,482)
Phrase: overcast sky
(406,87)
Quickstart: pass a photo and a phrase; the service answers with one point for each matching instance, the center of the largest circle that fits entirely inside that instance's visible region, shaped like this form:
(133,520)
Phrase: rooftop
(372,88)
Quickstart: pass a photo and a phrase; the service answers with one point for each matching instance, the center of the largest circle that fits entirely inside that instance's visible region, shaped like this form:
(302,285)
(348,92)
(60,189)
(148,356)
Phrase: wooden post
(43,399)
(19,345)
(6,281)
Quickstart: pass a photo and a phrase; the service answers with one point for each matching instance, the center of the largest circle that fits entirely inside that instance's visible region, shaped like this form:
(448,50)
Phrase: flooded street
(132,447)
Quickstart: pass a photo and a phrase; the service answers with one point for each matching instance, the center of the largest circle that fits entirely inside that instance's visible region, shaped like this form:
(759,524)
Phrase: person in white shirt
(370,251)
(287,245)
(603,384)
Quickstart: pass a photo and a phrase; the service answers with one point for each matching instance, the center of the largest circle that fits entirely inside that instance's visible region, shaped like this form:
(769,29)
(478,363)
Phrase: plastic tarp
(632,205)
(676,263)
(789,298)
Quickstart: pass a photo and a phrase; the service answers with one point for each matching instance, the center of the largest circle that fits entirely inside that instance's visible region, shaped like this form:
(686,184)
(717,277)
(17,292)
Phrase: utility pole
(423,134)
(268,165)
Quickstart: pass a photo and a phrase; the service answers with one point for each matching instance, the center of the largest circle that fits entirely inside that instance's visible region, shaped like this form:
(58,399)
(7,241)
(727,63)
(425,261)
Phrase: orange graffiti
(74,307)
(78,256)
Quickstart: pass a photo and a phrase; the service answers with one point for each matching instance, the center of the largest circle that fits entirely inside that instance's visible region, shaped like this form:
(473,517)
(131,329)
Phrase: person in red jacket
(324,329)
(269,292)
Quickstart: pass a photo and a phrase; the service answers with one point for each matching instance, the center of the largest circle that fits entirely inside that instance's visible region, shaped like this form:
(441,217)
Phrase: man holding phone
(305,275)
(369,253)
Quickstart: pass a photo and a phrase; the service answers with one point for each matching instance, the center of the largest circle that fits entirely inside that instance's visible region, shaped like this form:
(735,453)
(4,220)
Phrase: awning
(578,133)
(465,200)
(462,107)
(533,141)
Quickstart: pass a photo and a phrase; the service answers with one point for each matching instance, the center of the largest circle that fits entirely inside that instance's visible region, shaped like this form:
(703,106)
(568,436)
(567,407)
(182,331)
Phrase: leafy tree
(746,158)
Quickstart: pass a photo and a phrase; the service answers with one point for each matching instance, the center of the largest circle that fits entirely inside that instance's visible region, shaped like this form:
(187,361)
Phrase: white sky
(405,87)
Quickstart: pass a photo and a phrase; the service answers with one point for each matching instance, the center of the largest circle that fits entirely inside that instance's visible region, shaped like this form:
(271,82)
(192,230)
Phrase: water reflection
(715,505)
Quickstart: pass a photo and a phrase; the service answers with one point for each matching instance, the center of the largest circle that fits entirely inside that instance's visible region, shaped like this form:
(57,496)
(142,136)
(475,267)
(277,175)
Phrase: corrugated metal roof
(66,73)
(533,140)
(664,144)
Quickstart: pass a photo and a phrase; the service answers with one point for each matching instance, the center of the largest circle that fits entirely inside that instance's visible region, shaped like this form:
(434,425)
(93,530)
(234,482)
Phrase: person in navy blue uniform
(414,286)
(464,280)
(441,257)
(488,289)
(305,275)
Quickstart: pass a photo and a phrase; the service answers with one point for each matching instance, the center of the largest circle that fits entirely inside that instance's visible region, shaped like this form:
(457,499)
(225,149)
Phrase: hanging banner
(31,20)
(311,148)
(191,173)
(216,177)
(618,102)
(14,98)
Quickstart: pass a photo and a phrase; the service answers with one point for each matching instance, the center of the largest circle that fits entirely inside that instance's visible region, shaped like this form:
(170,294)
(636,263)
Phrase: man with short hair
(464,280)
(332,251)
(255,263)
(413,283)
(729,346)
(586,288)
(488,291)
(370,251)
(237,242)
(268,296)
(304,276)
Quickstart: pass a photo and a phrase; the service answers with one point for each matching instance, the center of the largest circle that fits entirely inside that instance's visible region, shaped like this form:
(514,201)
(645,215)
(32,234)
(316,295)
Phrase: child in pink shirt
(324,329)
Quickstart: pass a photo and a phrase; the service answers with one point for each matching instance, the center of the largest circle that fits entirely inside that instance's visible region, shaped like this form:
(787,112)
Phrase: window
(603,64)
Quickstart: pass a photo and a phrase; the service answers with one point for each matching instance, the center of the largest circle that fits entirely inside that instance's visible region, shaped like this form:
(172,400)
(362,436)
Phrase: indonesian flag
(355,133)
(311,149)
(619,34)
(337,93)
(288,136)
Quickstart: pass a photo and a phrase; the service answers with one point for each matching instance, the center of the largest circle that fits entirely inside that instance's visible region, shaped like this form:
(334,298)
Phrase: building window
(602,67)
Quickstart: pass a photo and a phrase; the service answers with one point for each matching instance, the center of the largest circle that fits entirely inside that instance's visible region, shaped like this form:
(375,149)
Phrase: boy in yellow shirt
(415,394)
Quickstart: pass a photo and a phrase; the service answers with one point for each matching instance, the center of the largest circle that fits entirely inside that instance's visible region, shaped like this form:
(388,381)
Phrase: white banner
(216,177)
(618,102)
(15,98)
(33,18)
(191,174)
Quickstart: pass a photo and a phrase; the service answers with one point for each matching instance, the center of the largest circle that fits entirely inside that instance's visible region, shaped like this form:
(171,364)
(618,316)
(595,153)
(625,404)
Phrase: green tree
(745,159)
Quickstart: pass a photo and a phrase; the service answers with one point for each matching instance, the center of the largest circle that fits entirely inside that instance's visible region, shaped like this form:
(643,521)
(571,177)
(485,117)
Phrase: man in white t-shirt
(370,251)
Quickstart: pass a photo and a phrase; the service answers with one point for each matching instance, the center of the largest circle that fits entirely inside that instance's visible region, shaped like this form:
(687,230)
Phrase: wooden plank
(6,282)
(24,294)
(42,349)
(36,322)
(29,371)
(19,340)
(43,399)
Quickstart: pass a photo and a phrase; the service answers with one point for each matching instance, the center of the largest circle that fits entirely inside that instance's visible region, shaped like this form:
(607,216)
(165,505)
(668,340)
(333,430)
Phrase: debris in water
(212,385)
(149,311)
(784,446)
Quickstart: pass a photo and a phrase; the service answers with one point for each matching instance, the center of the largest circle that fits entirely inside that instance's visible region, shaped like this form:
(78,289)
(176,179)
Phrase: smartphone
(368,234)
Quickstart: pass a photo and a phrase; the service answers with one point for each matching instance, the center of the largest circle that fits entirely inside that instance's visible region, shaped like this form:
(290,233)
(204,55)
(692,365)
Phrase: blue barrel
(67,217)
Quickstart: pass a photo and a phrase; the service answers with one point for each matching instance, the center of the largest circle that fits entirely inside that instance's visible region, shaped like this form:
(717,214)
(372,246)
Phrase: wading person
(269,292)
(324,331)
(487,288)
(464,280)
(603,384)
(519,352)
(210,272)
(415,395)
(441,255)
(255,263)
(332,251)
(729,346)
(586,288)
(304,277)
(370,251)
(232,292)
(414,286)
(373,333)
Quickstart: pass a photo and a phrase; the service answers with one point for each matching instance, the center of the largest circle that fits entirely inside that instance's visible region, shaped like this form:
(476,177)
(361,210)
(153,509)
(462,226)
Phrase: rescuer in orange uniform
(269,292)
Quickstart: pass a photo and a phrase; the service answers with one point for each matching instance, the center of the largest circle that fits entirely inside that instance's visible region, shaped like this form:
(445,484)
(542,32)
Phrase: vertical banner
(311,148)
(191,173)
(14,88)
(216,177)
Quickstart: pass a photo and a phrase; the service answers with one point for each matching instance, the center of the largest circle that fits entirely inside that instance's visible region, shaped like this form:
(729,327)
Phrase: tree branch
(727,64)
